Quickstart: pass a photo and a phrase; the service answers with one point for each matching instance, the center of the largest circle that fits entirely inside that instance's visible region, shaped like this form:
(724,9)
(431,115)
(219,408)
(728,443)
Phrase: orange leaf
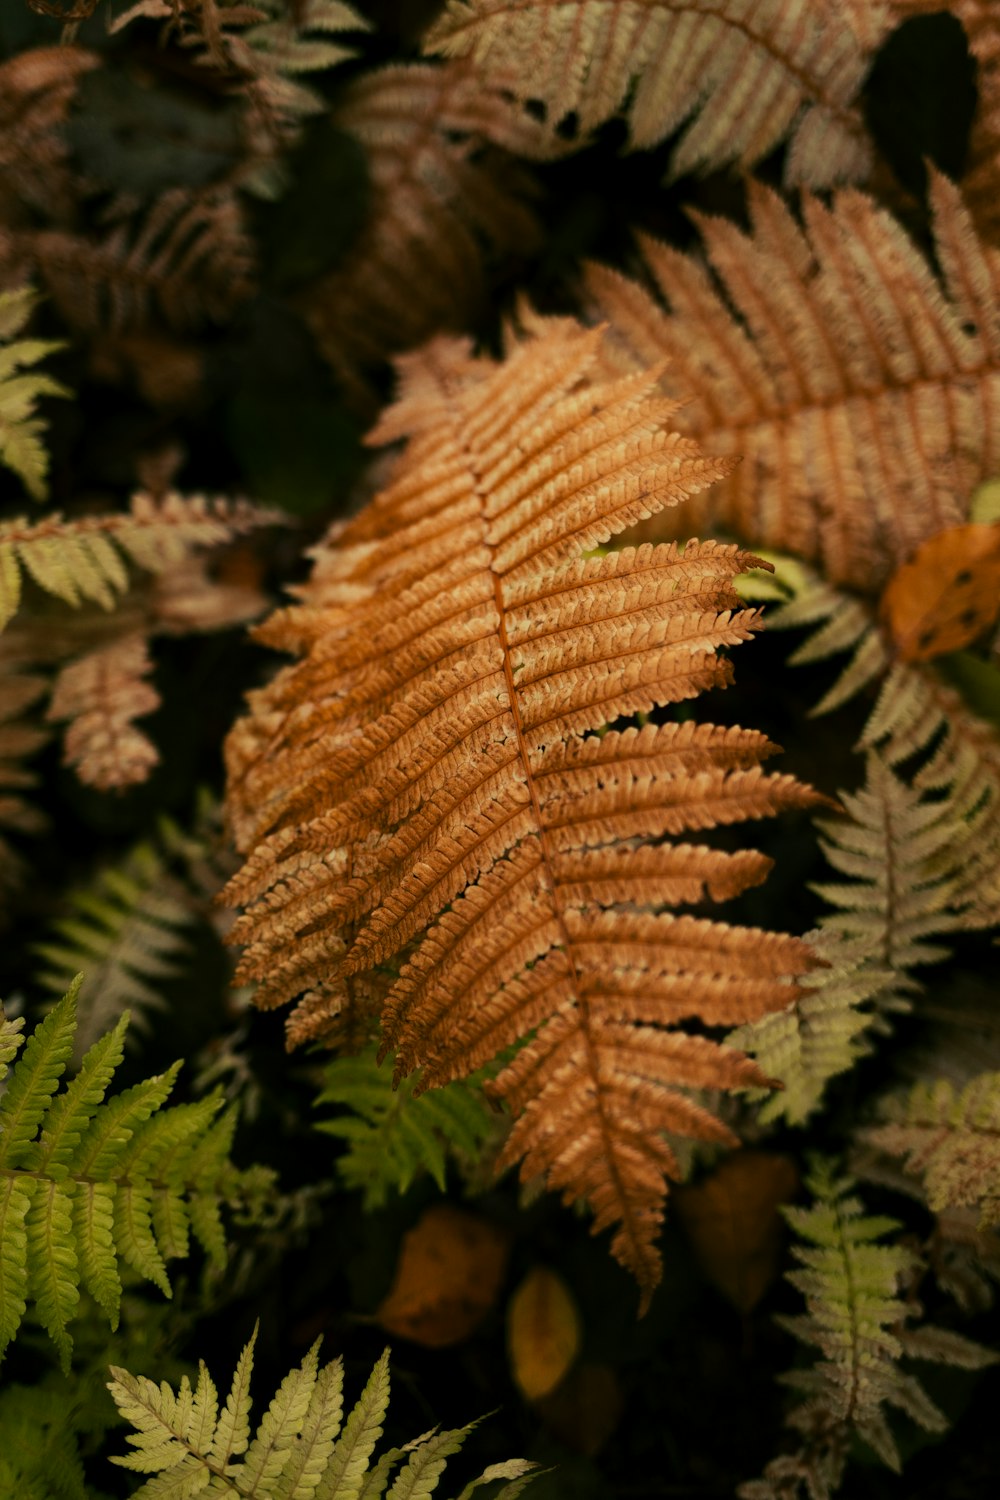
(946,595)
(543,1333)
(733,1224)
(448,1276)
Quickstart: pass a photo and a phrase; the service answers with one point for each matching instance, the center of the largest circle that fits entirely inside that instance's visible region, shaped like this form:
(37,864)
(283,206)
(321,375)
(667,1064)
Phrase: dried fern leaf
(302,1449)
(951,1138)
(861,394)
(187,259)
(393,1134)
(101,694)
(88,1182)
(86,560)
(445,197)
(752,74)
(430,788)
(22,448)
(20,738)
(856,1317)
(36,90)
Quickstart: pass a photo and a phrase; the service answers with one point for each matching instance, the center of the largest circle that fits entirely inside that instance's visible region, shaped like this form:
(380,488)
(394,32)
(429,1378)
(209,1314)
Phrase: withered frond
(434,790)
(861,394)
(101,694)
(752,72)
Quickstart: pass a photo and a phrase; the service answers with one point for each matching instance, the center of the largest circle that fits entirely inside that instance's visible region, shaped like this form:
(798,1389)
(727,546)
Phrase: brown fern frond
(751,72)
(434,792)
(36,89)
(100,694)
(20,738)
(861,394)
(187,259)
(445,198)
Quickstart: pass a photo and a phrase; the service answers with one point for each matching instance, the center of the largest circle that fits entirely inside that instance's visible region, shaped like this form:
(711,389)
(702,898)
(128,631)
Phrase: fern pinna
(441,824)
(86,1182)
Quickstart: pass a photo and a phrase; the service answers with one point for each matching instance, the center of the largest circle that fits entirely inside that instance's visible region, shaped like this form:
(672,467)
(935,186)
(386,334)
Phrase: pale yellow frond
(751,73)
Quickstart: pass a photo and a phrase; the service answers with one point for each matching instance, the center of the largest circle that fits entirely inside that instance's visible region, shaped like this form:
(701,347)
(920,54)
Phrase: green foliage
(22,446)
(856,1317)
(951,1138)
(39,1456)
(393,1134)
(86,1182)
(301,1450)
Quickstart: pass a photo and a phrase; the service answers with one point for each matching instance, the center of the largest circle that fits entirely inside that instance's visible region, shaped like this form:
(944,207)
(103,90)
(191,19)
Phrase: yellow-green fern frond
(40,1454)
(86,560)
(904,887)
(856,1317)
(302,1449)
(22,448)
(87,1182)
(951,1138)
(393,1134)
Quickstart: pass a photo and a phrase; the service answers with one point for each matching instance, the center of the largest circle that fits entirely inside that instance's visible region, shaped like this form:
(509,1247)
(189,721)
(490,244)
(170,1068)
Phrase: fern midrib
(854,1382)
(582,1006)
(156,1184)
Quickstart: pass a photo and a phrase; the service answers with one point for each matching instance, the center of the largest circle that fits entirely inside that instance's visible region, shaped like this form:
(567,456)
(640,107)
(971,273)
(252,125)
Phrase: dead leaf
(449,1273)
(585,1410)
(733,1224)
(946,595)
(543,1333)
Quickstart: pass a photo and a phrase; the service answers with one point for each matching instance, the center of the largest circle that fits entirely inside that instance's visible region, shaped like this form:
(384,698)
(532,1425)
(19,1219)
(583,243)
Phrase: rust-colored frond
(445,198)
(36,89)
(185,260)
(862,395)
(434,792)
(100,694)
(751,72)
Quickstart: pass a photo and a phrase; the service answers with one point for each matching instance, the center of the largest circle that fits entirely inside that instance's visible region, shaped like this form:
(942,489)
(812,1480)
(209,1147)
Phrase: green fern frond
(86,560)
(951,1138)
(126,931)
(22,447)
(393,1134)
(904,888)
(85,1183)
(40,1454)
(11,1041)
(856,1318)
(302,1449)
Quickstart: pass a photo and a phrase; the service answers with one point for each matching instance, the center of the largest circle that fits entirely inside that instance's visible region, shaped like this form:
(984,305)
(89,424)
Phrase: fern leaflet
(393,1134)
(21,445)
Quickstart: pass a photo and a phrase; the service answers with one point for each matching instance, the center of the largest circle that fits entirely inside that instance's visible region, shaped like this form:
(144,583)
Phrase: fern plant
(302,1450)
(857,1318)
(87,1182)
(22,446)
(392,1134)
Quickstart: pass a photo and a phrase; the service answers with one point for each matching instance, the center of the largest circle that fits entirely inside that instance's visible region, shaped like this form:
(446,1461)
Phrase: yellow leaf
(543,1333)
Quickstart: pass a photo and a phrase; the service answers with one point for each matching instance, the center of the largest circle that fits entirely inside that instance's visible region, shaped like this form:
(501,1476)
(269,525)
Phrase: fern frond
(86,1182)
(20,738)
(187,259)
(392,1134)
(445,195)
(22,447)
(428,788)
(11,1041)
(906,885)
(803,348)
(85,560)
(101,694)
(752,74)
(951,1138)
(302,1449)
(37,87)
(40,1454)
(856,1318)
(125,932)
